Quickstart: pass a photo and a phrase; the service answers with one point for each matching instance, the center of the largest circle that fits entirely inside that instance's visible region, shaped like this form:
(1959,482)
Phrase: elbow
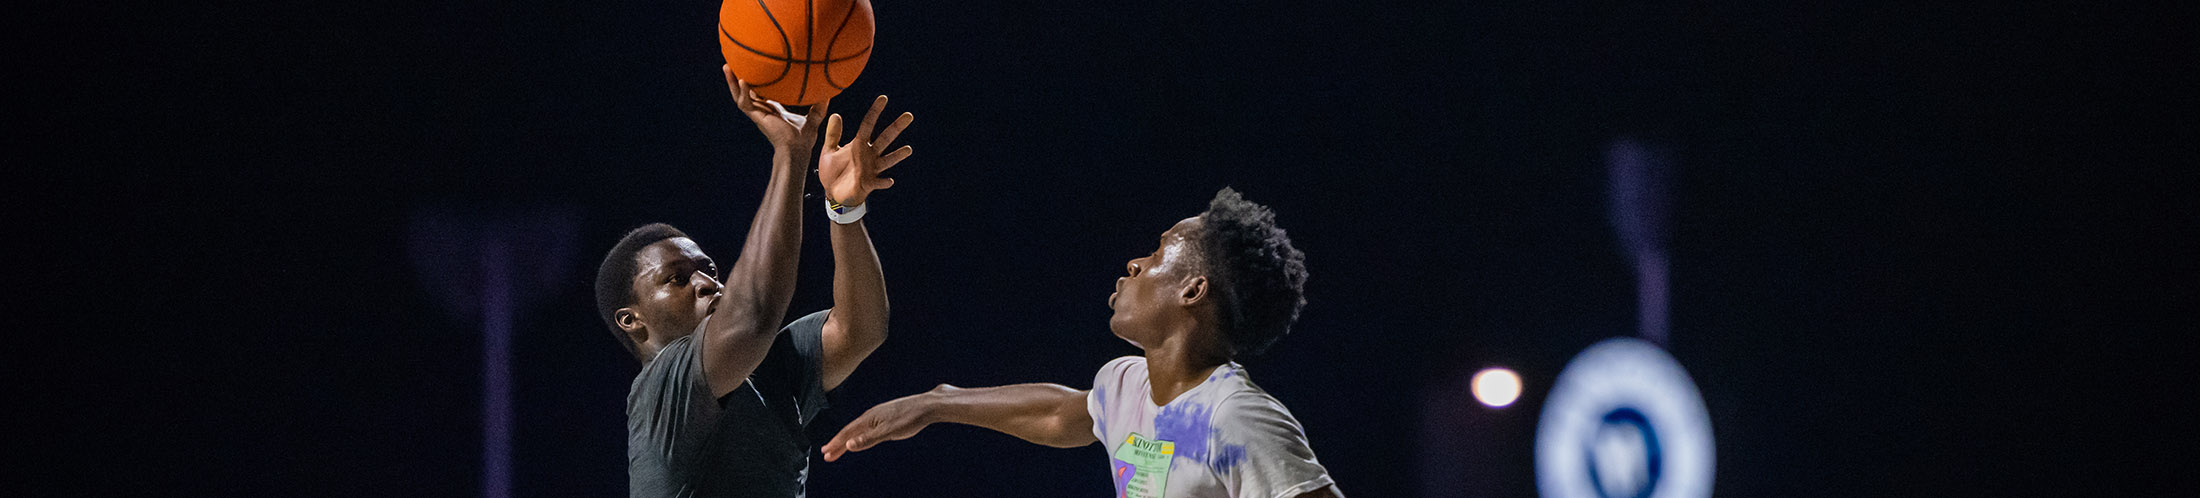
(1069,437)
(868,323)
(1067,442)
(1055,433)
(874,321)
(859,327)
(1069,430)
(876,338)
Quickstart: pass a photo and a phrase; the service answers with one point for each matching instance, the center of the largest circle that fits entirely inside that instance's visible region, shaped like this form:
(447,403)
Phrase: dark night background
(1917,249)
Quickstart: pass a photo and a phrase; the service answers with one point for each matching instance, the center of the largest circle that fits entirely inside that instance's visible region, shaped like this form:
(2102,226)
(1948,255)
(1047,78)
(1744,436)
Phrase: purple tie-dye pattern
(1100,394)
(1187,425)
(1123,472)
(1228,458)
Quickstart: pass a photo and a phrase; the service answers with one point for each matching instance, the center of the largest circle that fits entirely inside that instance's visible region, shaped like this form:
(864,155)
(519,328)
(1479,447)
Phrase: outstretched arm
(850,172)
(1048,414)
(761,284)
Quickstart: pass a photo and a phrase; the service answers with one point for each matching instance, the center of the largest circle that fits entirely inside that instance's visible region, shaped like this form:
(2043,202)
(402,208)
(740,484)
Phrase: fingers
(740,89)
(743,98)
(848,440)
(832,133)
(818,111)
(863,131)
(862,441)
(877,184)
(893,130)
(840,440)
(887,161)
(833,449)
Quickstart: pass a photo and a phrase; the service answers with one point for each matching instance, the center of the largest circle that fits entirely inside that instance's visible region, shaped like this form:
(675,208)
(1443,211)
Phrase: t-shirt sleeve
(670,398)
(1261,452)
(1106,392)
(805,339)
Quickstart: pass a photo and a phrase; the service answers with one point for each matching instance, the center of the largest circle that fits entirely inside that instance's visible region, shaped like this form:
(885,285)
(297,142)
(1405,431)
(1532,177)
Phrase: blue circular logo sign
(1624,421)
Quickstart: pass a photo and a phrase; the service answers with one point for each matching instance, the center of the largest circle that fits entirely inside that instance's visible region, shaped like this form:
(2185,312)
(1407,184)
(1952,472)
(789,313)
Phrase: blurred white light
(1496,386)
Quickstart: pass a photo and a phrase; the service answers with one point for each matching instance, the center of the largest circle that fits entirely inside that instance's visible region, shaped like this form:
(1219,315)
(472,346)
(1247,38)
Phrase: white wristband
(845,214)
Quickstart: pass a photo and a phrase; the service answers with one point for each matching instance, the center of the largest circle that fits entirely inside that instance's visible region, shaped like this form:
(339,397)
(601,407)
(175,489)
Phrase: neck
(1181,361)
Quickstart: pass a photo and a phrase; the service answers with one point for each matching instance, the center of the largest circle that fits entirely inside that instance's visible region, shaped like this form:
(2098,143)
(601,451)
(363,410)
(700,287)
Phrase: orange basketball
(797,52)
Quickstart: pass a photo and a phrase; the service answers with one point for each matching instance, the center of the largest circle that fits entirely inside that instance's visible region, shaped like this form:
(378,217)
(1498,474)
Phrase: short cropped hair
(615,278)
(1260,278)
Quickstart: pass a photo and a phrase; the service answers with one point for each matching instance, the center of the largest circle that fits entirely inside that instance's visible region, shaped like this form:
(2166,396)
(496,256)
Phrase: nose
(1133,268)
(710,285)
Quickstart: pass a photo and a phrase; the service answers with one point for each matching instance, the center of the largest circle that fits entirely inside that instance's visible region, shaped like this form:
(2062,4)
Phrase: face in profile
(1152,294)
(676,285)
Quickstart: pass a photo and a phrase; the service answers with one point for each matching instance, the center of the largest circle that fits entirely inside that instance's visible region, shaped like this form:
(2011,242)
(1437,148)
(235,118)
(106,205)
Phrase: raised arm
(761,283)
(850,172)
(1048,414)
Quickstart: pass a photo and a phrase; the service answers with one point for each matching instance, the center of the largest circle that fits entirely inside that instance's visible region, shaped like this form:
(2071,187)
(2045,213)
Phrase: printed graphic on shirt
(1123,472)
(1142,467)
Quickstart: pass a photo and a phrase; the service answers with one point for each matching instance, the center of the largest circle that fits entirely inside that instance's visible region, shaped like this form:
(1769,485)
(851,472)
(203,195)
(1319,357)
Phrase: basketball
(797,52)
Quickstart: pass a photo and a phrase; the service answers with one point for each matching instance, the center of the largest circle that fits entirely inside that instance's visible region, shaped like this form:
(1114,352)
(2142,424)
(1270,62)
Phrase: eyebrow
(657,272)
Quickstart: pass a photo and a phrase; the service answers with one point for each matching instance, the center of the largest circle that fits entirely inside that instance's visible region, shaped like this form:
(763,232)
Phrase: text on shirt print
(1142,467)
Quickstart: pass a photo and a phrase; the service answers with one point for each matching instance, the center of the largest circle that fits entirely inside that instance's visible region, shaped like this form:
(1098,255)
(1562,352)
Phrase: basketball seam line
(760,53)
(737,43)
(844,17)
(784,44)
(809,41)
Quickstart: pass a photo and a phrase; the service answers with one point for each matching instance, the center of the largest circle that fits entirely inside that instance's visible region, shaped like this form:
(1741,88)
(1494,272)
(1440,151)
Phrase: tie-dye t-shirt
(1223,438)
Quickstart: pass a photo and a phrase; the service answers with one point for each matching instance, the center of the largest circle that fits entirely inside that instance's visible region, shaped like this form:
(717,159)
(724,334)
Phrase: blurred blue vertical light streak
(496,361)
(1639,210)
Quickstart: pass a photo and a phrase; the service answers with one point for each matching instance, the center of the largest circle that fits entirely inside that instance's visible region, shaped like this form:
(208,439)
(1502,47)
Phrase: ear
(630,322)
(1193,292)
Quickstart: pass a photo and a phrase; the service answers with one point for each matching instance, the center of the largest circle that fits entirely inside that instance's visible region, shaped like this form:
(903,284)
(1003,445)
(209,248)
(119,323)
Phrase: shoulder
(1246,405)
(673,358)
(1115,384)
(1126,362)
(673,374)
(1120,369)
(1253,404)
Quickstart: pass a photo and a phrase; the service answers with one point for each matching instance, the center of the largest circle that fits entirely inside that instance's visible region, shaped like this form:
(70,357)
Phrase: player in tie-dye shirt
(1184,420)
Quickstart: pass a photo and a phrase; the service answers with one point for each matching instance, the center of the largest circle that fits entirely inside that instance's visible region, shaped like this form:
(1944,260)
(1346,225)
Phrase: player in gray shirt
(724,393)
(1183,421)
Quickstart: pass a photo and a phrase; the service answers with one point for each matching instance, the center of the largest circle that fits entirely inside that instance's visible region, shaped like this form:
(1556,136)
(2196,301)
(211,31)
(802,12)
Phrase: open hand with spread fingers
(850,172)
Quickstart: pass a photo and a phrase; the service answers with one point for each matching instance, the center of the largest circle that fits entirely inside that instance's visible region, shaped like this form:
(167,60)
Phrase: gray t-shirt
(680,442)
(1223,438)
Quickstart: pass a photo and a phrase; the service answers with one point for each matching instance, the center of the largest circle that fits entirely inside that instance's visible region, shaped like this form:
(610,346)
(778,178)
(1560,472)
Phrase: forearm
(859,285)
(761,283)
(1048,414)
(858,323)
